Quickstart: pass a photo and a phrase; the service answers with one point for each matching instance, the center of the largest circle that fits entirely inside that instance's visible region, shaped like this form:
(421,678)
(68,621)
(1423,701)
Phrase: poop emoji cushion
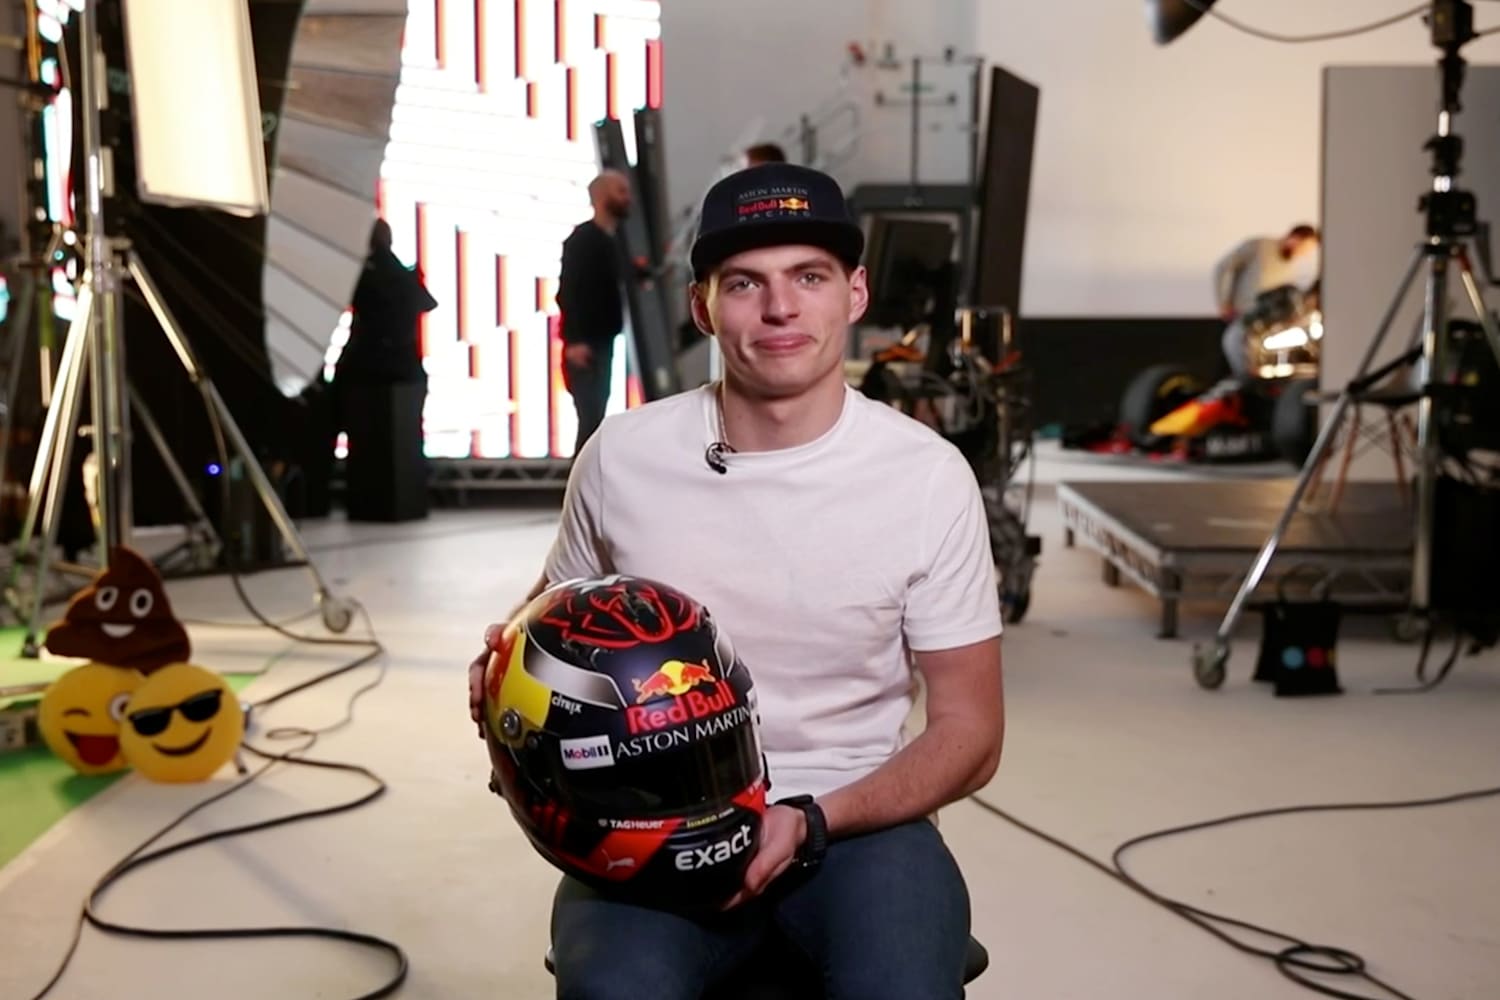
(182,724)
(80,716)
(122,618)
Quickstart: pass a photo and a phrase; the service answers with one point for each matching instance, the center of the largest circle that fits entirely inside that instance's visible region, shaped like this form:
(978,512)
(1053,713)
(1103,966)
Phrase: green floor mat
(36,788)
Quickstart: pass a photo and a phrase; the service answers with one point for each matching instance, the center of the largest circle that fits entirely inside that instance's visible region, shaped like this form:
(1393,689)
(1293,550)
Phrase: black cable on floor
(137,858)
(1424,684)
(1298,957)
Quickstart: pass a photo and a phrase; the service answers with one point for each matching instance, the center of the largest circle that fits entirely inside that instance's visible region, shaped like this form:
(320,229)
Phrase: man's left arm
(953,628)
(956,753)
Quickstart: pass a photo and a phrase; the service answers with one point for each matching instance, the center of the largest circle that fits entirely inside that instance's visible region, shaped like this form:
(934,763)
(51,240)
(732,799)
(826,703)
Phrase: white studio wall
(1152,161)
(737,74)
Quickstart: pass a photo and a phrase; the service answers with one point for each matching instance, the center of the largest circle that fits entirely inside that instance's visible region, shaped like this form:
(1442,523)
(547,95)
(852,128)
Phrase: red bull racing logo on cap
(776,200)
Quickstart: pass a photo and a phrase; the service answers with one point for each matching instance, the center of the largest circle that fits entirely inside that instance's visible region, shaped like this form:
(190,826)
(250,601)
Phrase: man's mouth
(183,751)
(94,750)
(116,631)
(780,344)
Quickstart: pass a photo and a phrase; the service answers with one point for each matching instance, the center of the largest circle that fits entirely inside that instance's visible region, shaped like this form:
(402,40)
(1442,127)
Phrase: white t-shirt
(825,563)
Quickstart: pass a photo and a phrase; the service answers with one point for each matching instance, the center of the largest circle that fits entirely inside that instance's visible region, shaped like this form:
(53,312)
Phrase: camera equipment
(911,270)
(970,385)
(1451,224)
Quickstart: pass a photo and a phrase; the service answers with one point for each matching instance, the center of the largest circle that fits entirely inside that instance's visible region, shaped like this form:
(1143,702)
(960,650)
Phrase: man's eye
(738,284)
(812,278)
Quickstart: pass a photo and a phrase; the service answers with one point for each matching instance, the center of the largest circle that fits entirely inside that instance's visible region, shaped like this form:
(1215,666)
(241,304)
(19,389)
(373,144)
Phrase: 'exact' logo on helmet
(713,854)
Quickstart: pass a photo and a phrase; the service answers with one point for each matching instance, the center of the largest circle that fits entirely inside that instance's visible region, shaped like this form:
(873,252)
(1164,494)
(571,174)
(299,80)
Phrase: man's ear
(698,303)
(859,294)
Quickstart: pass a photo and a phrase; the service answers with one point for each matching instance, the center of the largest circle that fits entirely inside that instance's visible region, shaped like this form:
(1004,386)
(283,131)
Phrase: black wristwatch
(815,845)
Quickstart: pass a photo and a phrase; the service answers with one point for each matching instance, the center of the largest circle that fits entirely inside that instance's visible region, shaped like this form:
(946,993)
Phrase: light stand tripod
(1452,219)
(95,337)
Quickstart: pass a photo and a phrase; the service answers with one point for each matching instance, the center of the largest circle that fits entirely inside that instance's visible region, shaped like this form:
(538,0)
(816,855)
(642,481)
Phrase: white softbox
(195,105)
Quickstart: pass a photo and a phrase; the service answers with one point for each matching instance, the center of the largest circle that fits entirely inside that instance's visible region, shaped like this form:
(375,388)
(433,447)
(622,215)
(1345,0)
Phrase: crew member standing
(588,293)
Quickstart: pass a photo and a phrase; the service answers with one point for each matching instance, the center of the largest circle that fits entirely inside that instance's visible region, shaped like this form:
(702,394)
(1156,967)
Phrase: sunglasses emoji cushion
(123,619)
(181,724)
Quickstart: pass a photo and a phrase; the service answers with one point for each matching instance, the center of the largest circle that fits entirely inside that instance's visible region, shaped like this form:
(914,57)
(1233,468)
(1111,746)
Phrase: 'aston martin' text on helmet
(622,732)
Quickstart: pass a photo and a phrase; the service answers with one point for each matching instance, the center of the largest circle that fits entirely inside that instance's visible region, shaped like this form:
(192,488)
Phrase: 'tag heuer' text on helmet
(622,732)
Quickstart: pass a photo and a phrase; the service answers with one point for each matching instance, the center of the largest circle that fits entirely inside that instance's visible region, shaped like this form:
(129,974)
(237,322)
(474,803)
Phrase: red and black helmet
(622,732)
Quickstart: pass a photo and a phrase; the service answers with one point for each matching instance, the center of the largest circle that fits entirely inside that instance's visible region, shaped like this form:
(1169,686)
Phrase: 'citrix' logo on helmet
(713,854)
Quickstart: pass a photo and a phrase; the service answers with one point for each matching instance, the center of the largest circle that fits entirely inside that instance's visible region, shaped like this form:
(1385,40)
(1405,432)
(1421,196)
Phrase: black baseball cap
(774,204)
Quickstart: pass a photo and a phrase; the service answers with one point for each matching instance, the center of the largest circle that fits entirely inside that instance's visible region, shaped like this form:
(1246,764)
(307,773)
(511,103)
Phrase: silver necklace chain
(719,410)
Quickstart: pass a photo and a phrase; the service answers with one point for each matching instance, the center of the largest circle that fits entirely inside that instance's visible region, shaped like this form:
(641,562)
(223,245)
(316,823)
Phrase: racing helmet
(623,734)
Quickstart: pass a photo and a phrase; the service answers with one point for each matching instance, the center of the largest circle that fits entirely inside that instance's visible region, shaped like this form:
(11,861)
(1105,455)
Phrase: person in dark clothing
(379,388)
(388,301)
(588,293)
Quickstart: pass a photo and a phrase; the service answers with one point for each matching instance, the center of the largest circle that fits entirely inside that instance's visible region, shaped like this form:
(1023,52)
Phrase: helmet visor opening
(670,782)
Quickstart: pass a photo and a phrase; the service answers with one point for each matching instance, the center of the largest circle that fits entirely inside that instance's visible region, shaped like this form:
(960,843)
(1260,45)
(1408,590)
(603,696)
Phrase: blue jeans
(885,916)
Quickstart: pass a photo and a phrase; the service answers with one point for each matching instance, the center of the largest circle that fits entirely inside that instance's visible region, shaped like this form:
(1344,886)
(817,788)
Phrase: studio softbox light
(1170,18)
(195,105)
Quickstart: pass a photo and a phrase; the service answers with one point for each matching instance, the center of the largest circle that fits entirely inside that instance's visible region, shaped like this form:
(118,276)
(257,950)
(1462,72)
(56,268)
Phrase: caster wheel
(337,615)
(1408,627)
(1209,663)
(1013,606)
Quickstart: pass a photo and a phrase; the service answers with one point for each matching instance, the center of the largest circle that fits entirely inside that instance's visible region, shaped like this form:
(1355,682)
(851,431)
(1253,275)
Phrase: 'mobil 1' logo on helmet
(680,682)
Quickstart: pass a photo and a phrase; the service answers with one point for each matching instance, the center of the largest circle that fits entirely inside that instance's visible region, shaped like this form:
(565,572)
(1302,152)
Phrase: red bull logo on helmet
(695,692)
(672,678)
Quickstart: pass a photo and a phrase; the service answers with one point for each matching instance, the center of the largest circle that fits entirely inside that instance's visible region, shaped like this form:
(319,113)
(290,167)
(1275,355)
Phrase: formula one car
(1263,416)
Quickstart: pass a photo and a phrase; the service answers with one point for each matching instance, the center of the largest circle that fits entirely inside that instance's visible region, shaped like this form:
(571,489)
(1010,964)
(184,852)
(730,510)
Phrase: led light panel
(490,155)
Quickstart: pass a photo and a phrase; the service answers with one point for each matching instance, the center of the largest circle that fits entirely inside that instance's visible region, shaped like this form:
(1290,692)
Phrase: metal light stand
(95,337)
(1452,219)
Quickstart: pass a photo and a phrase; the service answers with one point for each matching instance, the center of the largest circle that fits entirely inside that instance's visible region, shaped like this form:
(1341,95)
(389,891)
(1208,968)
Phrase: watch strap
(810,852)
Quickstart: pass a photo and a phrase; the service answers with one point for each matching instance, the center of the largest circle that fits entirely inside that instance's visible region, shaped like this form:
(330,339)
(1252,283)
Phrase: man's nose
(779,303)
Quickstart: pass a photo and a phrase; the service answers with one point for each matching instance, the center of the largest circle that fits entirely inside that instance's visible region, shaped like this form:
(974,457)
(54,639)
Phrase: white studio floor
(1108,738)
